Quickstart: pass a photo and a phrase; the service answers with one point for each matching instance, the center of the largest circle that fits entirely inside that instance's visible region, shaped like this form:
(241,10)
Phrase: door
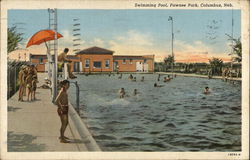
(138,66)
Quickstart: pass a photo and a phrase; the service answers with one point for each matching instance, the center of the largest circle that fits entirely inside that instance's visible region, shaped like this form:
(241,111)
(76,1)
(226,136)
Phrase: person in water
(134,79)
(120,77)
(167,79)
(122,93)
(206,91)
(130,77)
(62,110)
(156,85)
(142,79)
(135,92)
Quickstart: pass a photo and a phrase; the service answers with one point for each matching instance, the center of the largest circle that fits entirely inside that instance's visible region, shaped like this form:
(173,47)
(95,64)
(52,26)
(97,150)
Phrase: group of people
(165,79)
(27,78)
(122,92)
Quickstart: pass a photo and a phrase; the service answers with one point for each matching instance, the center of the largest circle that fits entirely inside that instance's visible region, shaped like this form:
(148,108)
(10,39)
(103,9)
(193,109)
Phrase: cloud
(134,42)
(131,43)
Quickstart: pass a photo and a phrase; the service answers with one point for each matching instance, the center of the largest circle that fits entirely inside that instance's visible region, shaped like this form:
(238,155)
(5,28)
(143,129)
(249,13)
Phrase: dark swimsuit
(64,109)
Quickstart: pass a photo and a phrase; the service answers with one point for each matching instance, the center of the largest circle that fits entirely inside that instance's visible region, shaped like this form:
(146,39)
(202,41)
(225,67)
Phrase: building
(41,62)
(128,63)
(96,59)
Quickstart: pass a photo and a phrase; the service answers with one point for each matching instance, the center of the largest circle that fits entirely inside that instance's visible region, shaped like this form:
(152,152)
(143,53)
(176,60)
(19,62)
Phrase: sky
(198,34)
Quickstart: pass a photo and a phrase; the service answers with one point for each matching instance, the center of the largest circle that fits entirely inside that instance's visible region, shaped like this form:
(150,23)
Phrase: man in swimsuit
(62,110)
(62,58)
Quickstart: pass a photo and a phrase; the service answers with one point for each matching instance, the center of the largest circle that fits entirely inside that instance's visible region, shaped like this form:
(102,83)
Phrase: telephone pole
(172,28)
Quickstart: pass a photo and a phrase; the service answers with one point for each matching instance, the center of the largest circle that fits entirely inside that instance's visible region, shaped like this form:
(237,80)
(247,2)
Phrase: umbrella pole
(49,60)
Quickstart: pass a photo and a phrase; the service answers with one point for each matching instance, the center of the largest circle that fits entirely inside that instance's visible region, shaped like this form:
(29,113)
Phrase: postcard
(124,79)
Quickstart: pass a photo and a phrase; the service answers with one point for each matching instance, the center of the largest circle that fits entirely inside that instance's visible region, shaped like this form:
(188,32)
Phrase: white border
(126,4)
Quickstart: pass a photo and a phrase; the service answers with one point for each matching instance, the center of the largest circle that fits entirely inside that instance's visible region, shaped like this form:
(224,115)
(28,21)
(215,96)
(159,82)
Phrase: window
(41,60)
(97,64)
(124,61)
(86,63)
(107,63)
(130,61)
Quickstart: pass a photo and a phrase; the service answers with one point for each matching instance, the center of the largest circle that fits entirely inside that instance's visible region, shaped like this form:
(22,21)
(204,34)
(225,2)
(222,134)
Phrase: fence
(12,79)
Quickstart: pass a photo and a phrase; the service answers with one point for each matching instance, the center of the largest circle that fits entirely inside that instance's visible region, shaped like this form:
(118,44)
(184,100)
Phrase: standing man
(62,58)
(62,110)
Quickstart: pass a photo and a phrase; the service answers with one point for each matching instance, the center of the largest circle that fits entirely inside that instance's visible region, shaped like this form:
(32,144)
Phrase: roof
(45,56)
(133,57)
(95,50)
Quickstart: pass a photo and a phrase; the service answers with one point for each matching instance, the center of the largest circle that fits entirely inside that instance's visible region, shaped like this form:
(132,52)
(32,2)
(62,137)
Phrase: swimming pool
(175,117)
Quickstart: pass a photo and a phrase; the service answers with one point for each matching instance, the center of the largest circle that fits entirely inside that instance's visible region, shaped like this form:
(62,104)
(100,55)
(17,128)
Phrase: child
(122,93)
(206,91)
(62,110)
(21,78)
(34,86)
(28,82)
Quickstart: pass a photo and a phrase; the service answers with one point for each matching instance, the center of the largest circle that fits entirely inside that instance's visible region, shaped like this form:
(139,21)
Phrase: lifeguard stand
(53,47)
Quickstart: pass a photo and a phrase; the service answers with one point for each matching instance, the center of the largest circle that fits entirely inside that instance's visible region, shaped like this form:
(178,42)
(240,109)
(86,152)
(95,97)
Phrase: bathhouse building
(41,62)
(96,59)
(128,63)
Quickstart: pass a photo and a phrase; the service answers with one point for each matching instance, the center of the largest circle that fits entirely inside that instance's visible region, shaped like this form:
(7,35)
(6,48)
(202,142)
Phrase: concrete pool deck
(34,126)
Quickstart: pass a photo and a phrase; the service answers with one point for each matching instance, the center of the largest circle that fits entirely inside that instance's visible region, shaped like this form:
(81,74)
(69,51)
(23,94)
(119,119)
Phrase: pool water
(175,117)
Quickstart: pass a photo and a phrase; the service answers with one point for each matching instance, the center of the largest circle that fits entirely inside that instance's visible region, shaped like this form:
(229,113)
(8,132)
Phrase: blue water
(175,117)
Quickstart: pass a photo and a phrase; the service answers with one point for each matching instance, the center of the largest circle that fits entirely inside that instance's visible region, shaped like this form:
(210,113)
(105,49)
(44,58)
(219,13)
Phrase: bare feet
(64,140)
(64,137)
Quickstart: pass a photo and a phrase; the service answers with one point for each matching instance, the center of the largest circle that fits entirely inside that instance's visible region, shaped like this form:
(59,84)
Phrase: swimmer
(122,92)
(156,85)
(130,77)
(135,92)
(120,77)
(206,91)
(142,79)
(134,80)
(167,79)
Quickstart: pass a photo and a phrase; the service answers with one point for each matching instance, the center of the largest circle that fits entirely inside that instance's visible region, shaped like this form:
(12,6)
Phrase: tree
(216,65)
(237,48)
(13,39)
(168,60)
